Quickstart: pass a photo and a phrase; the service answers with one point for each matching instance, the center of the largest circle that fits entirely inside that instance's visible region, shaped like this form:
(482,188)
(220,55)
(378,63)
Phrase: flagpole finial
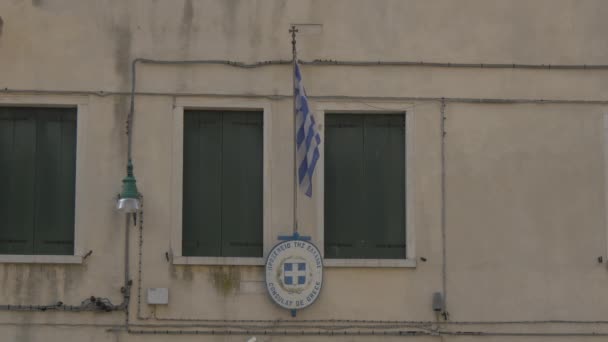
(293,30)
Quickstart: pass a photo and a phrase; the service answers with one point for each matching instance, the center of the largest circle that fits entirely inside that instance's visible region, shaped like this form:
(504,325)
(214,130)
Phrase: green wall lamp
(128,201)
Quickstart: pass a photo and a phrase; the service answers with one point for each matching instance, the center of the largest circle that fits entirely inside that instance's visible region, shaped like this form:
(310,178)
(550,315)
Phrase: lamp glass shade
(128,201)
(128,205)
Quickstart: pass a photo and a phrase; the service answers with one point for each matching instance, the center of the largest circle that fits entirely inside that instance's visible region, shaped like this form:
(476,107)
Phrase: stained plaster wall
(525,199)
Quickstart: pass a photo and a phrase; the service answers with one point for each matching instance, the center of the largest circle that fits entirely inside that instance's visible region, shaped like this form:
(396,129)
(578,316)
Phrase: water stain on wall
(38,284)
(119,129)
(255,18)
(181,272)
(186,22)
(279,13)
(73,276)
(122,51)
(5,281)
(22,283)
(187,273)
(23,334)
(226,279)
(172,271)
(122,36)
(51,275)
(229,14)
(185,41)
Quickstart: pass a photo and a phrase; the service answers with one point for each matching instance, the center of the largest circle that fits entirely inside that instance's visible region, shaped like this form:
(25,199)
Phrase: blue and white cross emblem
(294,273)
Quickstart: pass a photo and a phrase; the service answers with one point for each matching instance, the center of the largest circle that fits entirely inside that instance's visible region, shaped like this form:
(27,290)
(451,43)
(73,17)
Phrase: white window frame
(181,104)
(81,103)
(406,109)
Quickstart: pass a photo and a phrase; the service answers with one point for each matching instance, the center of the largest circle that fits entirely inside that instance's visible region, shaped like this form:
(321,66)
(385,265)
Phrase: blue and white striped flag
(307,137)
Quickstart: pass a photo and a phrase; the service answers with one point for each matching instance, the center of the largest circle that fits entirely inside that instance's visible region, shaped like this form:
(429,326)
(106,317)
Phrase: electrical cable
(333,62)
(139,262)
(321,98)
(126,289)
(329,62)
(403,333)
(280,333)
(443,215)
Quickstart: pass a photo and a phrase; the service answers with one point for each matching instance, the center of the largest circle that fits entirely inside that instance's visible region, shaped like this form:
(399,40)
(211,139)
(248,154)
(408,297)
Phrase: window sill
(192,260)
(40,259)
(403,263)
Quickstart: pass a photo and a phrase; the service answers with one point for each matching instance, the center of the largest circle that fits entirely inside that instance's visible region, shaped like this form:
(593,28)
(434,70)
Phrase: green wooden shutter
(384,186)
(202,219)
(55,181)
(364,186)
(37,169)
(222,184)
(17,165)
(344,174)
(242,184)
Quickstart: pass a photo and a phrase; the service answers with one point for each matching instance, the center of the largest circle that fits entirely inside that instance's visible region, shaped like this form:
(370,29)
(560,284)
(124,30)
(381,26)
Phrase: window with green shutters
(365,186)
(37,180)
(222,184)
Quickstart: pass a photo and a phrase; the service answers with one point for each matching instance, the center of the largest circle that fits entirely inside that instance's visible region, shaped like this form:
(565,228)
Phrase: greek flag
(307,136)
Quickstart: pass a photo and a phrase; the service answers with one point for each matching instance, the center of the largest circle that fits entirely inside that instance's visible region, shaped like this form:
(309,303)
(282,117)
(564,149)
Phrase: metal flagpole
(293,32)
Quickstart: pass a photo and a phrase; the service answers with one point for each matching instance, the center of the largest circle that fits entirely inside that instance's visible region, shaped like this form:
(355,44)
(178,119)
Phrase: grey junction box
(158,295)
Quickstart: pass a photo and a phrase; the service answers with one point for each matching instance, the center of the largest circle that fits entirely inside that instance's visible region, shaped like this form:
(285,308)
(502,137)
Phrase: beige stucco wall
(525,199)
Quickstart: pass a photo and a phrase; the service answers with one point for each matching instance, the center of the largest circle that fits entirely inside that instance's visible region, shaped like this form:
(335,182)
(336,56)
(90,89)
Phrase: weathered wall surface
(525,198)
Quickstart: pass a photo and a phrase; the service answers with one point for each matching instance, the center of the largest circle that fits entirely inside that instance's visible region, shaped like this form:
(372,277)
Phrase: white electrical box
(158,295)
